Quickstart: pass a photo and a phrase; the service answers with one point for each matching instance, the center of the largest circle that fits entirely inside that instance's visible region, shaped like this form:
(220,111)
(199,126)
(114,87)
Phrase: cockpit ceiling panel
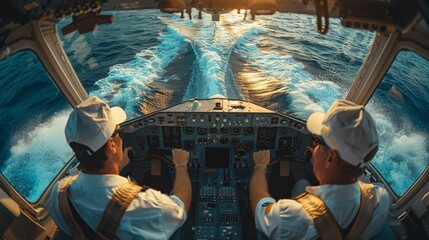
(398,12)
(385,16)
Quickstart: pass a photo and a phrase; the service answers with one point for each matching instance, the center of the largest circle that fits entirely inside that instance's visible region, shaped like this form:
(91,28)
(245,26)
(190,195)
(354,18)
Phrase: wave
(37,155)
(127,83)
(295,71)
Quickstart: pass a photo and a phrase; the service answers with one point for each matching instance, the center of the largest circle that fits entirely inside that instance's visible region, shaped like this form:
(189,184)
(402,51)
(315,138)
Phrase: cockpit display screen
(217,157)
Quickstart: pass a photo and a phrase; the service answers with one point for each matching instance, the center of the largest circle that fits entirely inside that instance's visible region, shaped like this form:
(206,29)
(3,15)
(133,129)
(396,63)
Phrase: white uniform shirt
(151,215)
(287,219)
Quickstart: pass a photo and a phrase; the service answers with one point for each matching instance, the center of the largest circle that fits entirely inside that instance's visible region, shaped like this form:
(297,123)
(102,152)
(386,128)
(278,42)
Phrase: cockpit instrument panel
(221,136)
(231,130)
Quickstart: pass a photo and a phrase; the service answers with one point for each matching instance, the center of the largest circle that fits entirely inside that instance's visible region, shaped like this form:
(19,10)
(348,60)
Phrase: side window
(400,108)
(33,115)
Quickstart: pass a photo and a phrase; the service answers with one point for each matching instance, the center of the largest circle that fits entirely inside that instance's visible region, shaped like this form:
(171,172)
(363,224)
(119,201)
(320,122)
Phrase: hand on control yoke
(180,157)
(261,157)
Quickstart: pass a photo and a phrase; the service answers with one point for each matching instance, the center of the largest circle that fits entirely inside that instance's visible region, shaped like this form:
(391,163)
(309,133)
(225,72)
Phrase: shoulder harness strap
(326,224)
(71,222)
(323,220)
(112,215)
(116,209)
(365,213)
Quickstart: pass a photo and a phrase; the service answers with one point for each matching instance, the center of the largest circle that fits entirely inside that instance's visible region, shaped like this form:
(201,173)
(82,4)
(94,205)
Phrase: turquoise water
(147,60)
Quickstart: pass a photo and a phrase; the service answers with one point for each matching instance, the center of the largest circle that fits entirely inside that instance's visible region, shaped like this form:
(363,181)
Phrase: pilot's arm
(182,184)
(258,187)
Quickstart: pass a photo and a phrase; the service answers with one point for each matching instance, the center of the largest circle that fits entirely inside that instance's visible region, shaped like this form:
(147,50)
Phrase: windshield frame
(415,191)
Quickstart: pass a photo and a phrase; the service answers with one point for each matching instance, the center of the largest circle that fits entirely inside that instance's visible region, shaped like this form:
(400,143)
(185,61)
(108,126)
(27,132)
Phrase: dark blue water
(148,60)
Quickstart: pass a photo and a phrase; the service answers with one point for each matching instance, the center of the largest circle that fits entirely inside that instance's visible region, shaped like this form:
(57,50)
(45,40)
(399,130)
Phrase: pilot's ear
(332,159)
(111,146)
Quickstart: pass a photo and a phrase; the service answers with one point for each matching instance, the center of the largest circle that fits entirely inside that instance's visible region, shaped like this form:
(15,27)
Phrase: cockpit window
(33,148)
(147,61)
(400,108)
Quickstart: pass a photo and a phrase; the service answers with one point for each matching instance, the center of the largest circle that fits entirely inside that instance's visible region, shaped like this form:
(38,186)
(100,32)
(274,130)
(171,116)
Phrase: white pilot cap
(93,122)
(349,129)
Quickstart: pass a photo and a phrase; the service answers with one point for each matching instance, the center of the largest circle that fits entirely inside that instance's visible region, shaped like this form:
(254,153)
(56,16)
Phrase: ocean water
(148,60)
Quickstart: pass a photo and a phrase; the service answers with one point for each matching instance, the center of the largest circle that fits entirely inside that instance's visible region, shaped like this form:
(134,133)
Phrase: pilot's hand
(180,157)
(125,159)
(261,157)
